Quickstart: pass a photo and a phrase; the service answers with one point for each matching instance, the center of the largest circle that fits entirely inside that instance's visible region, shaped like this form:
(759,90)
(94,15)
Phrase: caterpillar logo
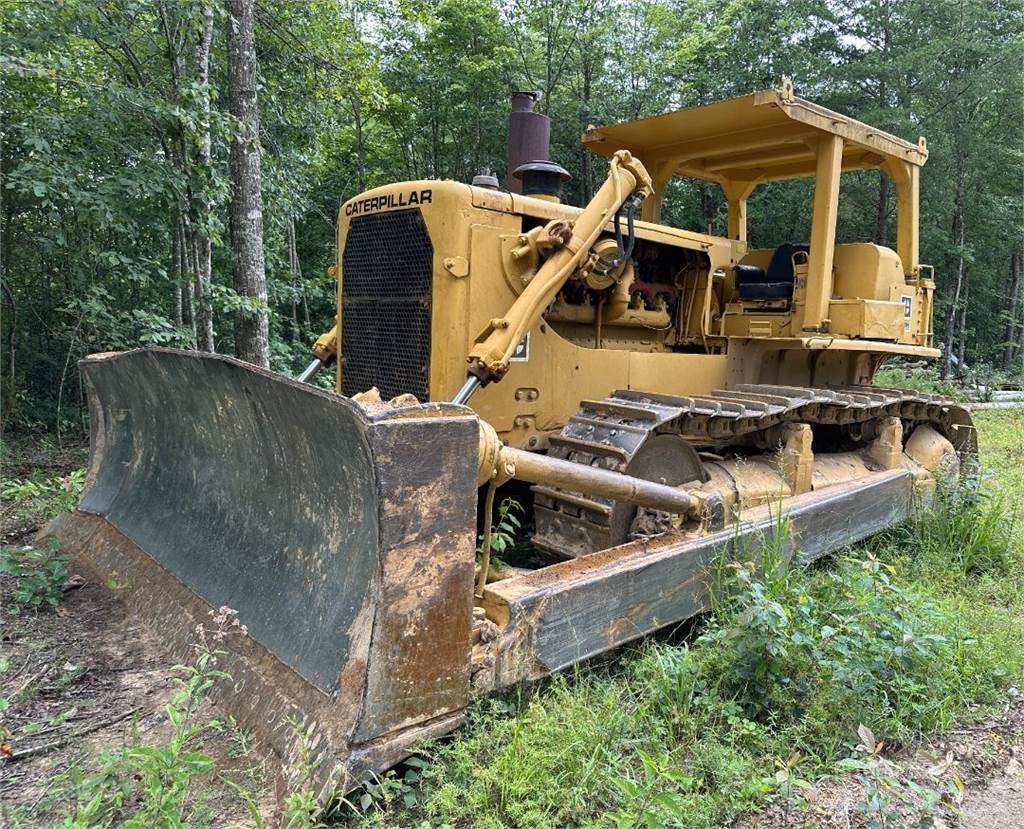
(374,203)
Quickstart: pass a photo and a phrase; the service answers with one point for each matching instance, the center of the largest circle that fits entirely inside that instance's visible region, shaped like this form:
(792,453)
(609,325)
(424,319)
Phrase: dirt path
(82,680)
(974,773)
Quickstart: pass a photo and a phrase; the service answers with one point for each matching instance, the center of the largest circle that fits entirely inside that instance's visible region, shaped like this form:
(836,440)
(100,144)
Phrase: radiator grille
(387,270)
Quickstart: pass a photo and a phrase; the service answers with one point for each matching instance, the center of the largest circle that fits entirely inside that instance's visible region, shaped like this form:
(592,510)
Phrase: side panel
(427,494)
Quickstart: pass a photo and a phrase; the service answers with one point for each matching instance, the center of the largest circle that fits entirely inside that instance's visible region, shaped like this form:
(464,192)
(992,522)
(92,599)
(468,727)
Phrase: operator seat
(776,282)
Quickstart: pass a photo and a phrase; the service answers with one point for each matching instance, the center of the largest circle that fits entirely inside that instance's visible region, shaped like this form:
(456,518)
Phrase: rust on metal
(346,549)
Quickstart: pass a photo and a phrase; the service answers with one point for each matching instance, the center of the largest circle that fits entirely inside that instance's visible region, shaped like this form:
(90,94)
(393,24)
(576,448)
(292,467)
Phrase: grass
(899,638)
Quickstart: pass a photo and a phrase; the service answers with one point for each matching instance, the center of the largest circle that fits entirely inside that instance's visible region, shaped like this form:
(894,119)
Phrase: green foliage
(395,787)
(858,644)
(302,809)
(503,531)
(656,799)
(963,531)
(40,574)
(917,376)
(38,498)
(142,785)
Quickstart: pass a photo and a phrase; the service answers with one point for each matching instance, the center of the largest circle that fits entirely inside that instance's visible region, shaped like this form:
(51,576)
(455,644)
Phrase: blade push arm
(490,355)
(325,350)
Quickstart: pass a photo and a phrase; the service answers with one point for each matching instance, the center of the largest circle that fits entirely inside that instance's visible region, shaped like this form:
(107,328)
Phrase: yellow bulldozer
(656,398)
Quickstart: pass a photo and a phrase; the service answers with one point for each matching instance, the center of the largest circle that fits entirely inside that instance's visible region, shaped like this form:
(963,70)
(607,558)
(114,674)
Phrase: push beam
(554,617)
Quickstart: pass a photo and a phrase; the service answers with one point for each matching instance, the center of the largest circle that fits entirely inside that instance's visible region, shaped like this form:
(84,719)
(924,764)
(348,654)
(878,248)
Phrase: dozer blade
(344,541)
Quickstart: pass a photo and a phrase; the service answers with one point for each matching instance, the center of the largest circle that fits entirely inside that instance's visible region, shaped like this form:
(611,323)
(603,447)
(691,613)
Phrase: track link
(610,432)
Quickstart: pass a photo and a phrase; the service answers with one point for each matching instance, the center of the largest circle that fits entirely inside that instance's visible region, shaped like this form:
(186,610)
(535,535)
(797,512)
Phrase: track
(621,433)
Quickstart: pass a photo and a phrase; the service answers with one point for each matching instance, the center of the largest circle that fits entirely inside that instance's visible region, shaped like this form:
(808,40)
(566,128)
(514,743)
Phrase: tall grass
(964,531)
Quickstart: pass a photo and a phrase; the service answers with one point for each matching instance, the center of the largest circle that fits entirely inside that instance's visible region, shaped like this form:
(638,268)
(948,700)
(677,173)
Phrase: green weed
(141,785)
(302,808)
(36,499)
(40,574)
(890,799)
(917,376)
(503,533)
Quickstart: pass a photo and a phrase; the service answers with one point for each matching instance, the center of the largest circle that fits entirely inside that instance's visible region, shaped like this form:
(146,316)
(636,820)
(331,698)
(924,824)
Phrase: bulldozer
(655,398)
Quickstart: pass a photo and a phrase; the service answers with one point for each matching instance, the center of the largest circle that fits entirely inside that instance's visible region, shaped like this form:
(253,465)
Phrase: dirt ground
(978,770)
(79,681)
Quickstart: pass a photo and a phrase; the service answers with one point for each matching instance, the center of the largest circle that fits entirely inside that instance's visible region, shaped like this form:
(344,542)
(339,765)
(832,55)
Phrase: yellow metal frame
(769,136)
(854,305)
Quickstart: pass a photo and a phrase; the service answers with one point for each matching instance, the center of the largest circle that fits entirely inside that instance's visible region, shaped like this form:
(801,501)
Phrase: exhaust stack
(529,137)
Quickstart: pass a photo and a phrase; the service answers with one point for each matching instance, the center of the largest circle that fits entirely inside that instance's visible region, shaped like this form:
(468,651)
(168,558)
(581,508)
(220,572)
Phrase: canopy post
(906,178)
(823,232)
(736,194)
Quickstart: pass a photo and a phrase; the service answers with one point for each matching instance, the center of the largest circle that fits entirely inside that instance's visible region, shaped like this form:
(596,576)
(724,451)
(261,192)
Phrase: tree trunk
(1010,337)
(176,271)
(357,121)
(954,304)
(1020,333)
(586,163)
(961,351)
(200,229)
(188,313)
(296,275)
(708,207)
(251,322)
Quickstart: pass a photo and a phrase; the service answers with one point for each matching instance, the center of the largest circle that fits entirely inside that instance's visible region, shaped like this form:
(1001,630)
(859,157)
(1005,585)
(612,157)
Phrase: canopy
(759,137)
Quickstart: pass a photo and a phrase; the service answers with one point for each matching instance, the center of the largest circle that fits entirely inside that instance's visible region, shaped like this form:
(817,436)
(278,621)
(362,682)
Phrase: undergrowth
(31,501)
(796,674)
(39,574)
(154,783)
(917,376)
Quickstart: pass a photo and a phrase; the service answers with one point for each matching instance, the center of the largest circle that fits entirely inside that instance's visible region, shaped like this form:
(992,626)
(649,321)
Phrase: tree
(1010,338)
(252,336)
(201,243)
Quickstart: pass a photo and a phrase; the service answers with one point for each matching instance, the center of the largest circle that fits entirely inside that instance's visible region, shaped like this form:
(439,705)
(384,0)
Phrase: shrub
(40,574)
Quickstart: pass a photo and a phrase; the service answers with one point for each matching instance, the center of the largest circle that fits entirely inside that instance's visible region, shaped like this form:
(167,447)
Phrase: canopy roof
(763,136)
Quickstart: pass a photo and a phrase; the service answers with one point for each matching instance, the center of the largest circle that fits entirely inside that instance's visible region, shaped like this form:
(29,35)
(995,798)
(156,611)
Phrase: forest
(120,123)
(171,173)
